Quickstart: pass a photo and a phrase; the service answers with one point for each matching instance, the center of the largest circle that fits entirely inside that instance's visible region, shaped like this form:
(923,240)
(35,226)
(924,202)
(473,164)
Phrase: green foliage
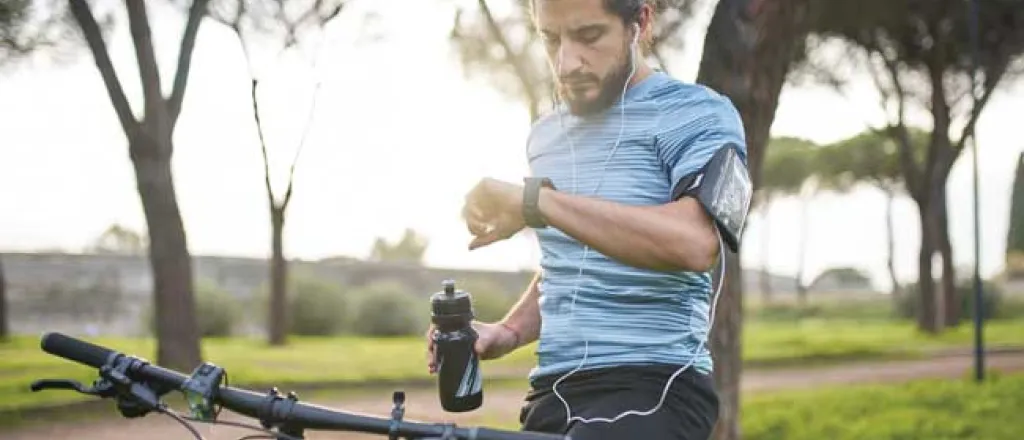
(490,300)
(846,275)
(880,310)
(788,163)
(409,249)
(925,409)
(120,240)
(217,311)
(992,298)
(869,157)
(386,309)
(1015,234)
(315,307)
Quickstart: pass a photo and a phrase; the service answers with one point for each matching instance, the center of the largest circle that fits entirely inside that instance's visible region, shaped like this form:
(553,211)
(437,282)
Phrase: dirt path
(502,406)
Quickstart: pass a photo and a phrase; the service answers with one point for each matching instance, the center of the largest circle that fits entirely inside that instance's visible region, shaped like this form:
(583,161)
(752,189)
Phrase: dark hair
(627,10)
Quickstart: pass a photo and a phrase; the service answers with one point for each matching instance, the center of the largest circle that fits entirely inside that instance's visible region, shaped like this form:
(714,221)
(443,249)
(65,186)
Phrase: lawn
(925,409)
(352,360)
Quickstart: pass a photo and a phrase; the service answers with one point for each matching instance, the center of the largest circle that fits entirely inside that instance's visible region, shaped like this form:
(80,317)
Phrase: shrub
(490,300)
(216,310)
(315,307)
(385,309)
(992,300)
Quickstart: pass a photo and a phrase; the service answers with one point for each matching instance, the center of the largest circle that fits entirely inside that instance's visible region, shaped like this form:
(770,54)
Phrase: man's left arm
(679,235)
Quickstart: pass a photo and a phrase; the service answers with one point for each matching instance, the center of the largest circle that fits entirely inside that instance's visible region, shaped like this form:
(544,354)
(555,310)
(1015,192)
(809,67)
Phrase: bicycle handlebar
(273,408)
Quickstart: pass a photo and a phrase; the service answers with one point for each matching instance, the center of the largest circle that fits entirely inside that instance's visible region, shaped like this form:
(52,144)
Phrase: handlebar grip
(492,434)
(77,350)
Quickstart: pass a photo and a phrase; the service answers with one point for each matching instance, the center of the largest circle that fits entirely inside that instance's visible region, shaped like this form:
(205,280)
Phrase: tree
(151,147)
(788,169)
(119,240)
(1015,233)
(505,47)
(918,52)
(749,49)
(872,158)
(409,249)
(26,29)
(291,28)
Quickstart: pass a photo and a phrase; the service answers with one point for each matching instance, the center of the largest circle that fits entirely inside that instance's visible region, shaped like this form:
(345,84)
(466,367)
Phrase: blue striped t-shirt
(626,314)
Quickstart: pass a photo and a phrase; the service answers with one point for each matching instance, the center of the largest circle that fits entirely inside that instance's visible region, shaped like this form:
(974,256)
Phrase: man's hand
(493,341)
(493,211)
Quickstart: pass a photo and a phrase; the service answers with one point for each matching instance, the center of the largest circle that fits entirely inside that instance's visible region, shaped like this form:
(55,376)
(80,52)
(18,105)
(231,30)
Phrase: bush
(385,309)
(216,310)
(992,299)
(490,300)
(315,307)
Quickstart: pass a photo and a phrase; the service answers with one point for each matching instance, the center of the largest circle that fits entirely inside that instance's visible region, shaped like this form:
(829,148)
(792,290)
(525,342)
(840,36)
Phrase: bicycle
(138,387)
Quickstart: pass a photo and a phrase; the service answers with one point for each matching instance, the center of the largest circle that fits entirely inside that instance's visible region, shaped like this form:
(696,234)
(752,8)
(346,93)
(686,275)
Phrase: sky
(399,135)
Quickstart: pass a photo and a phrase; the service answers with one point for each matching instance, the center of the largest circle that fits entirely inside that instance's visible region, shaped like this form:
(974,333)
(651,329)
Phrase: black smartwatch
(531,194)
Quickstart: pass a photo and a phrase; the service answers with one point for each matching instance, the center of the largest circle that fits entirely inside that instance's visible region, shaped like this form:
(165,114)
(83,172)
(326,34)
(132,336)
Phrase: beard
(609,90)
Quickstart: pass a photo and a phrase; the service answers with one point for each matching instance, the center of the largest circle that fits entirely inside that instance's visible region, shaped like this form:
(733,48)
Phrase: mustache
(577,78)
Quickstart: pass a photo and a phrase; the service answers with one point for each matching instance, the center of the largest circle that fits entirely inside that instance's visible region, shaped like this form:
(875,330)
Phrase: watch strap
(531,195)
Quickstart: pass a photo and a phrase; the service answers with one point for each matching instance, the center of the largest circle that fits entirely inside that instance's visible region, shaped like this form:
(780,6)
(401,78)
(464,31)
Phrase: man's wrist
(532,187)
(516,334)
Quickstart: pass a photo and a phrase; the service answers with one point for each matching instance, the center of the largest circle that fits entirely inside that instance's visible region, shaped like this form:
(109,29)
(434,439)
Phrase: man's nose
(570,59)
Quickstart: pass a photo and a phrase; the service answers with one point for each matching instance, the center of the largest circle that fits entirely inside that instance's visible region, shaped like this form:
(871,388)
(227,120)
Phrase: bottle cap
(451,302)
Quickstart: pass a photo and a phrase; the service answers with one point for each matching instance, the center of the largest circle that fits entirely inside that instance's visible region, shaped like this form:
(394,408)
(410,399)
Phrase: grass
(932,409)
(353,360)
(924,409)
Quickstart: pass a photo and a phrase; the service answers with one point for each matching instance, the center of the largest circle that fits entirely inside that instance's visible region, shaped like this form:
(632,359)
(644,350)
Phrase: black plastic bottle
(459,382)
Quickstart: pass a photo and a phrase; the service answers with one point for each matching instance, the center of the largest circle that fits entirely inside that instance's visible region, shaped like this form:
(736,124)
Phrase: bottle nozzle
(449,287)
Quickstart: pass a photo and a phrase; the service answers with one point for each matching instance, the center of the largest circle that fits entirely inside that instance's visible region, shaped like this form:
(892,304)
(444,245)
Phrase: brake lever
(101,390)
(58,384)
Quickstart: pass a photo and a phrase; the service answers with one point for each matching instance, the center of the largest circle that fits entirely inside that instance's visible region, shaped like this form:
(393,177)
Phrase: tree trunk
(177,331)
(801,287)
(150,147)
(766,280)
(278,280)
(926,313)
(726,347)
(890,234)
(950,298)
(748,51)
(5,326)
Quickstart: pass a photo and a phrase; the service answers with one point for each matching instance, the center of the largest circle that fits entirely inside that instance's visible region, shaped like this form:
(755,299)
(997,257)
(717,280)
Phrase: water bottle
(459,382)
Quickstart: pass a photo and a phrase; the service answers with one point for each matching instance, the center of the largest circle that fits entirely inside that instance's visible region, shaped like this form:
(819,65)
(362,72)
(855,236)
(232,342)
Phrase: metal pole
(979,350)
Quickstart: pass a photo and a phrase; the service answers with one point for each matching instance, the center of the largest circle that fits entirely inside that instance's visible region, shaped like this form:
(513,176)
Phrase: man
(622,302)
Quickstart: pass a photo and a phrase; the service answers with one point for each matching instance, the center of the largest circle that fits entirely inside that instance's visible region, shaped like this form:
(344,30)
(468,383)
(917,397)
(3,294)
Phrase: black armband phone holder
(724,189)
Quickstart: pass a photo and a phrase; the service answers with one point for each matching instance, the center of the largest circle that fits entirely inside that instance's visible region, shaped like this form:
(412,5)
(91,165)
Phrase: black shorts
(689,412)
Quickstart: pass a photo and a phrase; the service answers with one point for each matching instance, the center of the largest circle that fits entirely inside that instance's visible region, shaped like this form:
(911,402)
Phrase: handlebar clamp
(199,390)
(397,413)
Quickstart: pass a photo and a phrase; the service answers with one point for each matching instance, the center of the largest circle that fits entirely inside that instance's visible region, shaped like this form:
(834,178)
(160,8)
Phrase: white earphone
(586,250)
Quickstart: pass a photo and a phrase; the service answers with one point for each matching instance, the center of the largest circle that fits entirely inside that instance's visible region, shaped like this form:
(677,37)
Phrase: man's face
(588,48)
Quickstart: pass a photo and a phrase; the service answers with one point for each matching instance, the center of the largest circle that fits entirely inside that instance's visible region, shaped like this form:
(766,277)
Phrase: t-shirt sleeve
(691,130)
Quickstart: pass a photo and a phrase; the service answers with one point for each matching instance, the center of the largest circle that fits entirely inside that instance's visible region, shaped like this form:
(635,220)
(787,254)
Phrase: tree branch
(94,38)
(511,56)
(976,108)
(298,151)
(898,131)
(142,38)
(263,145)
(188,44)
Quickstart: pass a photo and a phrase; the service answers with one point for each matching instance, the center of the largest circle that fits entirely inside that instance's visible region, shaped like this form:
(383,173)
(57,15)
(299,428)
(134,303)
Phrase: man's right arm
(524,317)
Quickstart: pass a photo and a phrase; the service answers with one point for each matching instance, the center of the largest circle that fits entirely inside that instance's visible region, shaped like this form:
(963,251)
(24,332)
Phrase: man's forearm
(524,316)
(675,236)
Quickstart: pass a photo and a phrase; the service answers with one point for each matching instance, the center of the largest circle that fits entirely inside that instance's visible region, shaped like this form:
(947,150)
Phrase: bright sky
(400,135)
